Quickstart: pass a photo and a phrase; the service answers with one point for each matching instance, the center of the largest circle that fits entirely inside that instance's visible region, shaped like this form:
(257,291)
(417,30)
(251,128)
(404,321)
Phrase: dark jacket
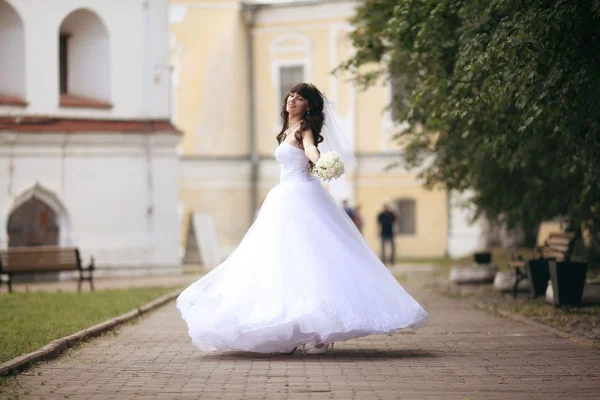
(386,222)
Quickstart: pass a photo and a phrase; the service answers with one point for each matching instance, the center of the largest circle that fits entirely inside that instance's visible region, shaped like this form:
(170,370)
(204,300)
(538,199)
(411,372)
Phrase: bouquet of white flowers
(329,166)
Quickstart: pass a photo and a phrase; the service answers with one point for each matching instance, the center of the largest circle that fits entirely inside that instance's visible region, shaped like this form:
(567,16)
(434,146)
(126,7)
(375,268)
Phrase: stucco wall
(208,51)
(138,52)
(116,195)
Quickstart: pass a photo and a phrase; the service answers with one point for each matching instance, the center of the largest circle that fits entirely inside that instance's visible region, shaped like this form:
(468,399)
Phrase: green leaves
(512,88)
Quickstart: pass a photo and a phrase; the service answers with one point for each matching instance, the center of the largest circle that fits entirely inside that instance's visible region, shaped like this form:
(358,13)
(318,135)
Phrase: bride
(302,274)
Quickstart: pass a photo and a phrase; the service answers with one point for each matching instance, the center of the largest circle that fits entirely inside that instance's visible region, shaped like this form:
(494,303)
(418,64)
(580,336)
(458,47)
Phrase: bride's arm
(310,149)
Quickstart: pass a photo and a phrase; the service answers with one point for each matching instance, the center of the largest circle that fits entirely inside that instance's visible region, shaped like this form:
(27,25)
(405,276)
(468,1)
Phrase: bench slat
(558,241)
(553,254)
(567,235)
(39,259)
(559,248)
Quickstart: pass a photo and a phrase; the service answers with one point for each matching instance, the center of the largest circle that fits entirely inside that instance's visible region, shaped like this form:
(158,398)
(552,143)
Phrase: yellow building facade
(232,64)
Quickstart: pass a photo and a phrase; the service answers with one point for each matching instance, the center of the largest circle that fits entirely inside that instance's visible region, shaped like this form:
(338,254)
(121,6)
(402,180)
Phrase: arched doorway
(52,214)
(33,223)
(37,218)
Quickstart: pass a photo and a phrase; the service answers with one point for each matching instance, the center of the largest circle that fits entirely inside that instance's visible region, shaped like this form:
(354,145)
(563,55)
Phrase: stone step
(505,281)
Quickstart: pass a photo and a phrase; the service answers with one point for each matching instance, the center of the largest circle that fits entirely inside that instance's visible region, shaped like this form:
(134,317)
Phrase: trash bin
(568,280)
(539,275)
(482,257)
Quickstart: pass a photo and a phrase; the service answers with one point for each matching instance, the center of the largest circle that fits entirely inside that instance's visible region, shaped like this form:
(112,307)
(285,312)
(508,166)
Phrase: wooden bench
(557,246)
(40,259)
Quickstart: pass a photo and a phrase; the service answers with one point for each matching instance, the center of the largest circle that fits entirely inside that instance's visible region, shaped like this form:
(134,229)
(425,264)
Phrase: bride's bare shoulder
(307,136)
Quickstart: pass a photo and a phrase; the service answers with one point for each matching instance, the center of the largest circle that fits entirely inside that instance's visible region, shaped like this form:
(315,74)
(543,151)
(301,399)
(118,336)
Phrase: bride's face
(296,105)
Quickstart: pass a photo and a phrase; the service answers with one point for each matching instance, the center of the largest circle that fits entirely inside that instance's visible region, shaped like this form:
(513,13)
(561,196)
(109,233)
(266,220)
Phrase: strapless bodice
(294,164)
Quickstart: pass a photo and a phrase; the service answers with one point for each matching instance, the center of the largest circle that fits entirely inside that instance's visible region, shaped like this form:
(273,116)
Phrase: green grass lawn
(565,316)
(31,320)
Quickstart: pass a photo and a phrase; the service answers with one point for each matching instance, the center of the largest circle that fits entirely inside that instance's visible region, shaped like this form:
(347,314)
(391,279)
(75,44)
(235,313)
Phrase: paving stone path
(464,353)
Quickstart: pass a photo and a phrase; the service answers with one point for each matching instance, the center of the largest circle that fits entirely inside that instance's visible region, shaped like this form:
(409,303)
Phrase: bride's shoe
(292,351)
(319,349)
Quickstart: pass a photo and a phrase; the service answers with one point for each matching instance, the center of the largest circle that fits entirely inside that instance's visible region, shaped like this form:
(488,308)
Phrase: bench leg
(1,282)
(518,278)
(88,278)
(91,268)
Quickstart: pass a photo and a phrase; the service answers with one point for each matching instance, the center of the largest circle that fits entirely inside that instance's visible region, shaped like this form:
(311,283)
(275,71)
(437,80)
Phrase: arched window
(84,61)
(405,216)
(12,57)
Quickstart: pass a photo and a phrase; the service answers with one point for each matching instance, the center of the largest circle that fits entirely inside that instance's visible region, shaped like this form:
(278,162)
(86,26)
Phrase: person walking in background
(358,219)
(348,209)
(386,220)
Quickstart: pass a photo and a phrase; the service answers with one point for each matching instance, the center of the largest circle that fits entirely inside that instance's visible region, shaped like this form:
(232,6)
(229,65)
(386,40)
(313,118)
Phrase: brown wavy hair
(313,119)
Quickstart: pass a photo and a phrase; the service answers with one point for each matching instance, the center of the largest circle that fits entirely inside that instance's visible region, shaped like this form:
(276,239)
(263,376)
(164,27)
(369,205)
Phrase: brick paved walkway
(463,353)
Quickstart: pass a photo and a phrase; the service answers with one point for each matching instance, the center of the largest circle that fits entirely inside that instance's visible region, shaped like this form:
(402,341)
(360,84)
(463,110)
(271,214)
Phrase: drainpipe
(148,114)
(250,14)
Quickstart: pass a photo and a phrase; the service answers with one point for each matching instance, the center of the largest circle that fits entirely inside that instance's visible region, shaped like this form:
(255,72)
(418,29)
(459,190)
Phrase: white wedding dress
(302,274)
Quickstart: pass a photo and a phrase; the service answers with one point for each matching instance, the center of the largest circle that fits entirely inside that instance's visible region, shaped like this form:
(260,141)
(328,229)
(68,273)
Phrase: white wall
(119,193)
(157,45)
(12,52)
(138,33)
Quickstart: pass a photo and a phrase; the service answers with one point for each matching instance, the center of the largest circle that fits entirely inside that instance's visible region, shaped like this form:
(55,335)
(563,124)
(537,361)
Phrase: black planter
(539,275)
(568,279)
(482,258)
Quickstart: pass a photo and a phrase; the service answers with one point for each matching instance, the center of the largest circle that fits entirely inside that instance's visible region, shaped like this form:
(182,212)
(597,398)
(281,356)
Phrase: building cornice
(302,11)
(43,125)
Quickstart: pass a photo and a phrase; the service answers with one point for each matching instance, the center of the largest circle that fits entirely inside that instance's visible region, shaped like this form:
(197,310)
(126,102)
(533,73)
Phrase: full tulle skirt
(302,274)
